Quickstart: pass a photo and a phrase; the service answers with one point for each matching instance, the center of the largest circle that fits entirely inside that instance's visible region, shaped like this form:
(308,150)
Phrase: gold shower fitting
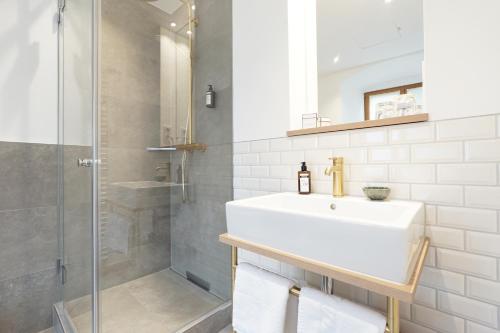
(337,170)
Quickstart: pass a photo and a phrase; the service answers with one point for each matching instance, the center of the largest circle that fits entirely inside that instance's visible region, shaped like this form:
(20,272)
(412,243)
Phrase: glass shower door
(75,160)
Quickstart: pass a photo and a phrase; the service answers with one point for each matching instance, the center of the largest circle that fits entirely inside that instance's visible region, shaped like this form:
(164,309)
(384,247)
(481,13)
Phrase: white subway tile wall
(453,166)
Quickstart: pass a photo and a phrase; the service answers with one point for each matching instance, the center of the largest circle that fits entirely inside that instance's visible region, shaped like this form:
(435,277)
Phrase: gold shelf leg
(392,315)
(234,263)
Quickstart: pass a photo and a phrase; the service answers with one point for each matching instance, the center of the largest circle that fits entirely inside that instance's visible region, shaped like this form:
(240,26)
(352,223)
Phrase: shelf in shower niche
(187,147)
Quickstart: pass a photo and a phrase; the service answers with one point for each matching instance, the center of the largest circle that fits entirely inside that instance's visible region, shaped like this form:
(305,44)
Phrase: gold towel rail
(393,291)
(392,303)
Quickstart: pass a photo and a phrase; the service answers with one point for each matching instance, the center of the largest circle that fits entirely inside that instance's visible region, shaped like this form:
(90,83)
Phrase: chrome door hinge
(61,271)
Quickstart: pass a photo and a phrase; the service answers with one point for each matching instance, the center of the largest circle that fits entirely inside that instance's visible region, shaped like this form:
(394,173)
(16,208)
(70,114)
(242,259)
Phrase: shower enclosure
(144,168)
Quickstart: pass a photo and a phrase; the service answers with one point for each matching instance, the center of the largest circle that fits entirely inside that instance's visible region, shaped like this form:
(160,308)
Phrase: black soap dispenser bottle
(210,97)
(304,179)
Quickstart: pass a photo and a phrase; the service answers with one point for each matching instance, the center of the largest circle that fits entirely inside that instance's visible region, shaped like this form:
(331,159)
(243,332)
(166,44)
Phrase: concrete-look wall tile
(413,173)
(470,174)
(482,151)
(369,137)
(26,302)
(467,308)
(482,197)
(438,320)
(28,239)
(468,218)
(437,152)
(413,133)
(443,280)
(439,194)
(471,264)
(28,175)
(468,128)
(484,290)
(389,154)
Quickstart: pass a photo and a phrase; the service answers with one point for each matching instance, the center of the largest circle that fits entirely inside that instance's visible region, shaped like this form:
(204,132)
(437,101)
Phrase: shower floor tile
(160,302)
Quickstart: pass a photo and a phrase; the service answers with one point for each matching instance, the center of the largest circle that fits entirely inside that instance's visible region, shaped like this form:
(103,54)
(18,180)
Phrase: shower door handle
(84,163)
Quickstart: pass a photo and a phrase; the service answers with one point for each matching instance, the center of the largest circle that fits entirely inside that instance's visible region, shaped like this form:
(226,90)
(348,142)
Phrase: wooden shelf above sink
(402,292)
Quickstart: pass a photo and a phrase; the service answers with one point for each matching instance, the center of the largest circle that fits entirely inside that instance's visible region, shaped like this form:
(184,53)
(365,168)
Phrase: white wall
(462,52)
(260,69)
(340,94)
(28,71)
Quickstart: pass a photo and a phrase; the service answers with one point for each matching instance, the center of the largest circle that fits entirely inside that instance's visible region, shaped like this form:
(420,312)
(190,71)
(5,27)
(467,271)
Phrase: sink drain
(333,206)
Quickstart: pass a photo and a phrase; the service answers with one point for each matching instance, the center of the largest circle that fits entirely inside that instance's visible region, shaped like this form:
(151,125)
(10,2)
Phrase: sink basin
(380,239)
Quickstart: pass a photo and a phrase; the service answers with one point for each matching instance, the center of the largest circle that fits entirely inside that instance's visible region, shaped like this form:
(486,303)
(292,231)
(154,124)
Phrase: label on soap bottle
(304,183)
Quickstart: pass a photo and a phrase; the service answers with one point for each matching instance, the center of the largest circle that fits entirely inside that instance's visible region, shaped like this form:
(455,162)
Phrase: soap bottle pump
(304,179)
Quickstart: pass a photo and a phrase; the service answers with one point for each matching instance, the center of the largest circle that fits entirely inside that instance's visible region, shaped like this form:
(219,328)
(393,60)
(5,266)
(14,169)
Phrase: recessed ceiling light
(388,1)
(193,7)
(173,24)
(336,59)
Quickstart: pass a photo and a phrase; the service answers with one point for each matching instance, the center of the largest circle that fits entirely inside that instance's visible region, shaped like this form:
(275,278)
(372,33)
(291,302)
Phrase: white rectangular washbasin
(377,238)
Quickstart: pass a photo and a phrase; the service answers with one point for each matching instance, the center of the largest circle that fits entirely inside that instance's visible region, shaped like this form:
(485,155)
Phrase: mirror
(369,61)
(176,47)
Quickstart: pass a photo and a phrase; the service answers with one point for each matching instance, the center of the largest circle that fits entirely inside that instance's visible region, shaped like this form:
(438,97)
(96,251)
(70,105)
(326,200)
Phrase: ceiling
(168,6)
(359,32)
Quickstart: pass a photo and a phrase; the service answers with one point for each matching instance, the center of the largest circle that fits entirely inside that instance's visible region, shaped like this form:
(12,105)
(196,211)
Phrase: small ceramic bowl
(376,192)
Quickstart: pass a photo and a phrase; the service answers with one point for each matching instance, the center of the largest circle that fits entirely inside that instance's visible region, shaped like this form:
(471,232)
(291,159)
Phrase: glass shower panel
(75,138)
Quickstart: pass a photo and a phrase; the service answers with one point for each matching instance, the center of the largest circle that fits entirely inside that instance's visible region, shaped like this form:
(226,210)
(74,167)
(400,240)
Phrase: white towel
(259,300)
(322,313)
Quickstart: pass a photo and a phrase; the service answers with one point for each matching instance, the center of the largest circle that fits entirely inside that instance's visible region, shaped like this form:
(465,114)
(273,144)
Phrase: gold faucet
(337,169)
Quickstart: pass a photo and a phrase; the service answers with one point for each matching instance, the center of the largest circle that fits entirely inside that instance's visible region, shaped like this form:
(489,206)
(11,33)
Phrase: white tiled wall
(453,166)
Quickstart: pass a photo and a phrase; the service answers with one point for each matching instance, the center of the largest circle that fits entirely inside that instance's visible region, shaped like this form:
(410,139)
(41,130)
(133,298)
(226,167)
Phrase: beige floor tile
(160,302)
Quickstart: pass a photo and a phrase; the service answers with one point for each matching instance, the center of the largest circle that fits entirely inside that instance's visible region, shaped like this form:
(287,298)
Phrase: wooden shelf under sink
(402,292)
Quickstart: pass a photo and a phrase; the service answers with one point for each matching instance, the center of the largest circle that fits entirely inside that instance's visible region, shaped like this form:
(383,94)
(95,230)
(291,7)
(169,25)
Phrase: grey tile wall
(28,236)
(197,223)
